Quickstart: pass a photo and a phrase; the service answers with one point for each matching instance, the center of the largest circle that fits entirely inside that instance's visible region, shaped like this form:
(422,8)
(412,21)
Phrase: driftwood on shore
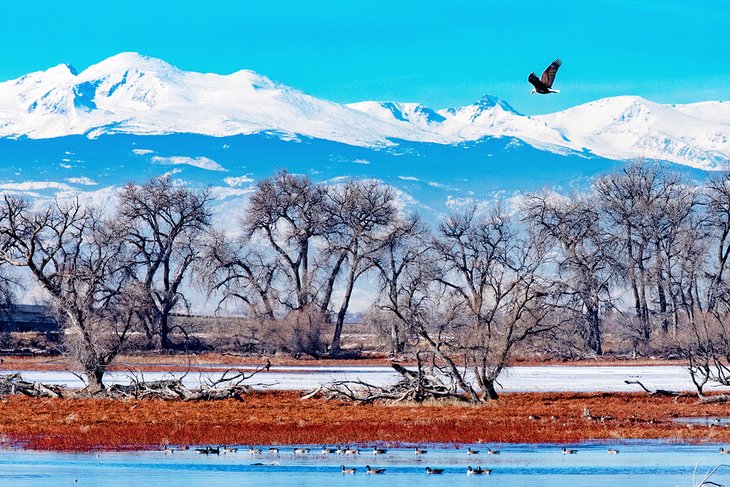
(231,385)
(12,384)
(415,386)
(658,392)
(712,399)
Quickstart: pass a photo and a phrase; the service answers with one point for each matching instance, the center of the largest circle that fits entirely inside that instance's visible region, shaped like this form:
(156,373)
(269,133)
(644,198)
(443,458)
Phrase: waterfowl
(724,451)
(209,450)
(374,470)
(351,451)
(253,451)
(493,452)
(434,471)
(613,451)
(478,471)
(347,470)
(469,451)
(379,451)
(274,450)
(234,450)
(420,451)
(301,451)
(167,451)
(569,451)
(326,451)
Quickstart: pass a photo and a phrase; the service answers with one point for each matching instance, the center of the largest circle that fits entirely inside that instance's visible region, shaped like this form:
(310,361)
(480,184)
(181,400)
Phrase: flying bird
(544,85)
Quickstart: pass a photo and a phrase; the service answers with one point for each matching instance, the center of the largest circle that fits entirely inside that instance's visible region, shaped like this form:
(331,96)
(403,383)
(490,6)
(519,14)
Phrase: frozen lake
(638,463)
(516,379)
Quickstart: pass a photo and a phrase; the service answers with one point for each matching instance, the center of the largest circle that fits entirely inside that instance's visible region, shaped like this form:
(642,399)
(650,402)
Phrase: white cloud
(408,178)
(361,161)
(82,180)
(223,192)
(34,186)
(200,162)
(238,181)
(141,152)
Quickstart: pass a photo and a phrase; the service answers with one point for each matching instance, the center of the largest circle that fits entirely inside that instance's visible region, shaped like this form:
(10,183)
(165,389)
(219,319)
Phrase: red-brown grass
(282,418)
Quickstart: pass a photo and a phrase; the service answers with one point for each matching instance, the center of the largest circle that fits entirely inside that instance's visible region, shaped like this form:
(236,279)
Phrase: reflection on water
(638,463)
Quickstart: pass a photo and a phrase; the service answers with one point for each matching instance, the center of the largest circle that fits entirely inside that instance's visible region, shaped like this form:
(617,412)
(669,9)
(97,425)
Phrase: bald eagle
(544,85)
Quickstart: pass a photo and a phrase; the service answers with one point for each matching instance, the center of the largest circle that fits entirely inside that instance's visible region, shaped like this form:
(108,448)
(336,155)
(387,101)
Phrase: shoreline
(222,362)
(282,418)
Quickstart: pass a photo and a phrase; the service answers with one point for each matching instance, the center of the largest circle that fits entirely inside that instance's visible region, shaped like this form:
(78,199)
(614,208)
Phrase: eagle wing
(548,76)
(535,81)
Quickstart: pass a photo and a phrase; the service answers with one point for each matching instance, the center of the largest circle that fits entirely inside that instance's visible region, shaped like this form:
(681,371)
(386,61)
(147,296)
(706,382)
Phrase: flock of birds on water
(348,451)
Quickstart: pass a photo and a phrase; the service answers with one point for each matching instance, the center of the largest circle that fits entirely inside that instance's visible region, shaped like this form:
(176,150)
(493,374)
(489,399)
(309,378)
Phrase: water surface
(638,463)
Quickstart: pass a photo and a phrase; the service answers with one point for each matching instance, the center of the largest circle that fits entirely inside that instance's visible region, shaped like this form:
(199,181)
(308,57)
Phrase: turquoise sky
(441,53)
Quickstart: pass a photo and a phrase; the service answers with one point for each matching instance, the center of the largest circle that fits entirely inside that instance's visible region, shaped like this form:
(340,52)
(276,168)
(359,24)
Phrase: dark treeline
(642,254)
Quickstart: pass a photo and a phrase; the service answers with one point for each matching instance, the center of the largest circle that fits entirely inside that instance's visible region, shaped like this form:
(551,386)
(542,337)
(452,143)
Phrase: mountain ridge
(134,94)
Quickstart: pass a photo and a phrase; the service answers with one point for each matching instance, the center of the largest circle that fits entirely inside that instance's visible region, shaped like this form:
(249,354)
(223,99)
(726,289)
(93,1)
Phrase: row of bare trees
(642,244)
(111,273)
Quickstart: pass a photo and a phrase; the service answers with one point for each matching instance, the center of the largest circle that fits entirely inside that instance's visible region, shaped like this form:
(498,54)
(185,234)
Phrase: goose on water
(478,471)
(374,470)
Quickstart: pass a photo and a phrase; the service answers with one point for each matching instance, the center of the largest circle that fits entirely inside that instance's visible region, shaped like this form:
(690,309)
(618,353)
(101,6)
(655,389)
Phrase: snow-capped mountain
(133,94)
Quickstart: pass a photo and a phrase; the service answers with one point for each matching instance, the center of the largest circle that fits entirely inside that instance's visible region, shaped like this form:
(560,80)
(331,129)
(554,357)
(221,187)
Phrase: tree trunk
(95,376)
(490,393)
(352,276)
(164,331)
(593,331)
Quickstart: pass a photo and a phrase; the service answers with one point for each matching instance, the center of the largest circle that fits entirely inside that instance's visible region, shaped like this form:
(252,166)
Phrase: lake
(645,463)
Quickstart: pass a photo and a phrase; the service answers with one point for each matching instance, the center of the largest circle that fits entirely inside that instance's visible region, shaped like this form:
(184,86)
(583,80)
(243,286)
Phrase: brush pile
(414,386)
(230,385)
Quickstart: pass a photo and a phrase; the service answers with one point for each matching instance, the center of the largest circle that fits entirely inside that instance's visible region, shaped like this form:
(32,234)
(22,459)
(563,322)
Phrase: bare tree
(496,279)
(361,214)
(404,293)
(627,199)
(77,258)
(242,272)
(718,225)
(586,266)
(164,224)
(289,213)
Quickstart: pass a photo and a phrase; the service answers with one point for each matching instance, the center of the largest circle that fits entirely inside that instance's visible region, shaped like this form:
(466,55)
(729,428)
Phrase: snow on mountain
(629,126)
(134,94)
(130,93)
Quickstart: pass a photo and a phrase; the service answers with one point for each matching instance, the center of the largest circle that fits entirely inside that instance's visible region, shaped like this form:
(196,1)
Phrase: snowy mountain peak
(488,102)
(131,61)
(137,94)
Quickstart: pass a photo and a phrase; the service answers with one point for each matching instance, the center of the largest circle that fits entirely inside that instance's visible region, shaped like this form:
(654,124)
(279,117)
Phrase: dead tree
(163,223)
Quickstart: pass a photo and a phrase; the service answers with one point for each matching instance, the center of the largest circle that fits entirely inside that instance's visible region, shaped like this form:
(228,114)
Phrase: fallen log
(658,392)
(714,399)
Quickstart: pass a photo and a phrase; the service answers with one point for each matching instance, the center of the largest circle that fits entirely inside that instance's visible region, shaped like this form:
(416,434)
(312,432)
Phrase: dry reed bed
(282,418)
